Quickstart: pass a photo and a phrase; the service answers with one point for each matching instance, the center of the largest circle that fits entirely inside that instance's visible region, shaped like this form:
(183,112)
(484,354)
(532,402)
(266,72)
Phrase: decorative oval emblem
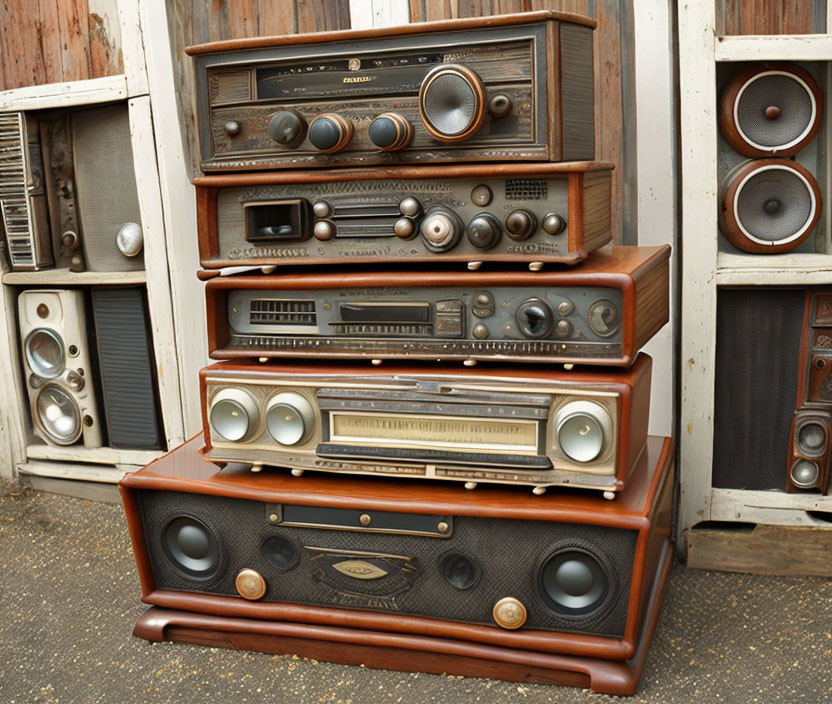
(360,569)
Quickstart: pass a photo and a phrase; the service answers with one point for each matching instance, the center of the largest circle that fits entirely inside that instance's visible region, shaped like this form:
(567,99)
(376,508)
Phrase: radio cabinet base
(410,653)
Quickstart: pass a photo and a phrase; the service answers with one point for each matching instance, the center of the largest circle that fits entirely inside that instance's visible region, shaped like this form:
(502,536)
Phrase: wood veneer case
(370,216)
(601,312)
(529,79)
(378,636)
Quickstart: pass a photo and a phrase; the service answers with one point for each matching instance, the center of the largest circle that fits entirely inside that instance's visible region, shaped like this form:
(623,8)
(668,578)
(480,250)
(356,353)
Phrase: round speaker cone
(45,353)
(574,582)
(770,205)
(811,439)
(775,110)
(460,571)
(451,101)
(805,474)
(279,552)
(57,415)
(191,546)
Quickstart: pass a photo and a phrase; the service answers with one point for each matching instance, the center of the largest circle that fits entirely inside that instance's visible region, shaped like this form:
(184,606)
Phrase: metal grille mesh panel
(14,203)
(784,92)
(510,554)
(526,189)
(757,366)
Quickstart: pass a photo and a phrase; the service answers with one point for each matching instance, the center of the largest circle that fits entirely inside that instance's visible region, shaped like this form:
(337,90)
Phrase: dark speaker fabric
(127,369)
(758,339)
(510,555)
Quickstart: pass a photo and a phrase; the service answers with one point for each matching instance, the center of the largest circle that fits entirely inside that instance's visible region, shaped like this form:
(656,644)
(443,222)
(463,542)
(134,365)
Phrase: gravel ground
(69,597)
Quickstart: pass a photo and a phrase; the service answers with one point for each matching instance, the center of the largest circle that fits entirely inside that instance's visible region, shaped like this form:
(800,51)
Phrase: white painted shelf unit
(705,268)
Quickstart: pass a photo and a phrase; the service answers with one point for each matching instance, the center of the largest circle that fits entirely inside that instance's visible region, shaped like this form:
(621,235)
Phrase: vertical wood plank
(74,32)
(104,39)
(322,15)
(132,45)
(771,17)
(23,64)
(49,41)
(277,17)
(243,19)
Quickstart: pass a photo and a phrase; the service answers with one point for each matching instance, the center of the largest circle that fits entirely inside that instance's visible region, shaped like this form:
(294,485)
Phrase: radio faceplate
(514,87)
(543,213)
(538,428)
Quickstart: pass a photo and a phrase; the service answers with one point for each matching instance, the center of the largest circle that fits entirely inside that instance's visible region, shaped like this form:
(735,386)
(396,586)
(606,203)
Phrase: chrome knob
(404,228)
(232,127)
(324,230)
(289,418)
(553,223)
(321,209)
(129,239)
(233,415)
(582,428)
(410,206)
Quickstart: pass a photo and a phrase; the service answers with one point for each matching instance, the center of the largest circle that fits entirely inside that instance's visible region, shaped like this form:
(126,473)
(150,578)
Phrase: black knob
(441,229)
(534,317)
(287,128)
(484,230)
(330,132)
(520,224)
(390,132)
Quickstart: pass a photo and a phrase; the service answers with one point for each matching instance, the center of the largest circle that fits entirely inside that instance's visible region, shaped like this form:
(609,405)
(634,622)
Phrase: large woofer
(574,583)
(57,415)
(452,102)
(770,206)
(191,546)
(770,109)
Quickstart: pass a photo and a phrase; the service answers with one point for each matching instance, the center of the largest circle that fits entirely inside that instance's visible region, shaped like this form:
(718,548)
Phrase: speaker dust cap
(770,206)
(770,109)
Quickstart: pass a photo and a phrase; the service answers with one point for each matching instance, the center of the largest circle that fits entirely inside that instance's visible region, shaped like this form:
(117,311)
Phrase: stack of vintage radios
(368,161)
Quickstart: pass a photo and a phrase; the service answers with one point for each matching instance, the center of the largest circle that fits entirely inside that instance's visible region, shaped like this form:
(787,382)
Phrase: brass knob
(250,584)
(509,613)
(364,519)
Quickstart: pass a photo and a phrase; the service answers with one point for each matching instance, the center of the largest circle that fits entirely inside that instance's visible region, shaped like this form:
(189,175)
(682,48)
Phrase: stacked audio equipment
(472,411)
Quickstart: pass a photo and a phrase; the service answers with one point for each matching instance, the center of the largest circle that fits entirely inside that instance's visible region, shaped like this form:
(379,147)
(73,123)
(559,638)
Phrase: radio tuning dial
(287,128)
(390,132)
(484,231)
(534,318)
(441,229)
(289,418)
(520,224)
(330,132)
(553,223)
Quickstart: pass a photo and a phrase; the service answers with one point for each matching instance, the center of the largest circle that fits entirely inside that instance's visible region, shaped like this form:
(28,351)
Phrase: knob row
(330,132)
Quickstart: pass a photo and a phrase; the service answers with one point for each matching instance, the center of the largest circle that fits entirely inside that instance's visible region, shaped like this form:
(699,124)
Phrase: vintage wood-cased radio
(506,88)
(533,426)
(507,213)
(601,312)
(496,583)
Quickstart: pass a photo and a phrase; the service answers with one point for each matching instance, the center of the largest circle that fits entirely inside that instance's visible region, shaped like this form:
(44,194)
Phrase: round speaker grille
(770,109)
(774,204)
(451,101)
(769,94)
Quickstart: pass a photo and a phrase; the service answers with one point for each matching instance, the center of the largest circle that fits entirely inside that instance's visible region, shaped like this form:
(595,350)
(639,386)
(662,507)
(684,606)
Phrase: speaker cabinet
(771,204)
(127,368)
(56,364)
(773,435)
(403,562)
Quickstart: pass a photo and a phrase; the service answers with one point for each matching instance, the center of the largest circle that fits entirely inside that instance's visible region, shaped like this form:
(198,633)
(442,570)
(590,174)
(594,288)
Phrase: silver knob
(129,239)
(410,206)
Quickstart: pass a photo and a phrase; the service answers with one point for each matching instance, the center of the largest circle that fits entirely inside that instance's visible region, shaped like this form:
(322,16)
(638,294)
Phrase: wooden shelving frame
(705,269)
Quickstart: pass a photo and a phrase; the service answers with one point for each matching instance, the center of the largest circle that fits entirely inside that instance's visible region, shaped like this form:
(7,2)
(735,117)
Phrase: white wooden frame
(704,268)
(105,464)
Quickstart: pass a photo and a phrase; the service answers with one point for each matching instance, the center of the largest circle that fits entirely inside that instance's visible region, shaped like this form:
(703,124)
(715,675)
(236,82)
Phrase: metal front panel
(372,235)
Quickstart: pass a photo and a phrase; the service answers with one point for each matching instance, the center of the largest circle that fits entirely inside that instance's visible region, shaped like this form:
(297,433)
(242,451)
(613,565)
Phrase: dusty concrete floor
(69,598)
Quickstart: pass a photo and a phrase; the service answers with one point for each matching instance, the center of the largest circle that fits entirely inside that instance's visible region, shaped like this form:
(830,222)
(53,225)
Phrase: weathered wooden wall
(770,17)
(52,41)
(615,109)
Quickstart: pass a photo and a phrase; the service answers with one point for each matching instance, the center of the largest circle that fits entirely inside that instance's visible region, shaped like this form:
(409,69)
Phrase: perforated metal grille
(774,204)
(775,90)
(526,189)
(757,366)
(510,555)
(14,204)
(277,311)
(450,104)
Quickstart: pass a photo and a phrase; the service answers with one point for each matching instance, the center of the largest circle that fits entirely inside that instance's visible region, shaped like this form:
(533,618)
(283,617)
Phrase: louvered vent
(18,218)
(282,311)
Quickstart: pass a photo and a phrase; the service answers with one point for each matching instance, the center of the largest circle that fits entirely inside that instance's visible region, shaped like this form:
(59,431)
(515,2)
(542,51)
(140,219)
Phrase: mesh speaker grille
(774,204)
(450,104)
(510,555)
(784,92)
(127,371)
(526,189)
(758,341)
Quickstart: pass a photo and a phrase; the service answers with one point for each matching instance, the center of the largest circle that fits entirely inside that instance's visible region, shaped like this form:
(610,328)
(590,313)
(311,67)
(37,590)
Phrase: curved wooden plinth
(411,653)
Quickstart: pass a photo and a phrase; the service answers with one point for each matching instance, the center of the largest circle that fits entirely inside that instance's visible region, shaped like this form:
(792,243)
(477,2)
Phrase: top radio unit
(507,88)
